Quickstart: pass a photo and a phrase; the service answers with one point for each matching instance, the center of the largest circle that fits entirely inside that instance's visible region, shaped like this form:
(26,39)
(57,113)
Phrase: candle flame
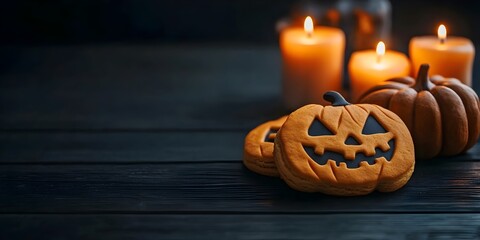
(442,33)
(380,50)
(308,25)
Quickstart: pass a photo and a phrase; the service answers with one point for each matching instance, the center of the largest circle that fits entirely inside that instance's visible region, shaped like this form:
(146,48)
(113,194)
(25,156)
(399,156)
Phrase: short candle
(368,68)
(312,63)
(450,57)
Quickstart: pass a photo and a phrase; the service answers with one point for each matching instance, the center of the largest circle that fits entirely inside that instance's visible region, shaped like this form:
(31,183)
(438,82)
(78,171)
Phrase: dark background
(127,120)
(105,21)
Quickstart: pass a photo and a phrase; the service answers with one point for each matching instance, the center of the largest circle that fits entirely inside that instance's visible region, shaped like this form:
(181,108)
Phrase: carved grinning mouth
(359,157)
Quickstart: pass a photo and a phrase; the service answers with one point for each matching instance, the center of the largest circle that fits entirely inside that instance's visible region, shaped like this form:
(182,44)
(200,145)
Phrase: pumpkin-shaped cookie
(344,149)
(442,114)
(258,148)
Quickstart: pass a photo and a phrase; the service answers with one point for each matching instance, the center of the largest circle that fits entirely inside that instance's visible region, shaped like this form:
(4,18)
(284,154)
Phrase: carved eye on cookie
(270,136)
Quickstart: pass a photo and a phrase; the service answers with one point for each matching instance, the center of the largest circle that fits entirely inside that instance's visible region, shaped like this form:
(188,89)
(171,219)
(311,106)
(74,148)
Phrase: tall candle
(450,57)
(368,68)
(312,63)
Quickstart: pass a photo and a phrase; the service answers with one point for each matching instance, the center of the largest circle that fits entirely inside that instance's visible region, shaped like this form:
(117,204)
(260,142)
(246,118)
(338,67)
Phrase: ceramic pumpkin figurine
(344,149)
(442,114)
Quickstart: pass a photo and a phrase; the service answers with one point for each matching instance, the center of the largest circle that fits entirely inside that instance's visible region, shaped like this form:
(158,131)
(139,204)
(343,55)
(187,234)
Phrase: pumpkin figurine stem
(422,82)
(335,98)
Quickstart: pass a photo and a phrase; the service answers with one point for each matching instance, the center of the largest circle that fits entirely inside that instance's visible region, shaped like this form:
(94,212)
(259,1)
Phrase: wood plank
(110,147)
(278,226)
(132,147)
(140,87)
(436,186)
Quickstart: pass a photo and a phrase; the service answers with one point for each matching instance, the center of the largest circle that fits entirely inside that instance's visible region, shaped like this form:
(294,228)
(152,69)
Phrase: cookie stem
(335,98)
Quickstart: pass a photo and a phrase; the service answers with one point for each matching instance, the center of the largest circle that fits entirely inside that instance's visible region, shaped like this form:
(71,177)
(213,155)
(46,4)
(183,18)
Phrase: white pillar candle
(368,68)
(312,63)
(450,57)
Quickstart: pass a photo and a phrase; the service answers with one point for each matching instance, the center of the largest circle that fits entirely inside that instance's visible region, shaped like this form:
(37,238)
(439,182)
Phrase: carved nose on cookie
(351,141)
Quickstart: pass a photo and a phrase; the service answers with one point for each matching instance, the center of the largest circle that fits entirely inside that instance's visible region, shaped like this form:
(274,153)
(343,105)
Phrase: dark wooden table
(126,142)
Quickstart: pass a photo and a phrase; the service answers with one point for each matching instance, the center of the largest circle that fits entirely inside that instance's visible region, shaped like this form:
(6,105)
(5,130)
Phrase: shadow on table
(435,184)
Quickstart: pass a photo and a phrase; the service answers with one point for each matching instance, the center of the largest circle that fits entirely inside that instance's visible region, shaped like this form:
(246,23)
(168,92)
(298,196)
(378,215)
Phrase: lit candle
(312,63)
(450,57)
(368,68)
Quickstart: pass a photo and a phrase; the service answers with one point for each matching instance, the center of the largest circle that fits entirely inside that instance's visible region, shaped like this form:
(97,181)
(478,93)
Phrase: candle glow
(380,51)
(308,26)
(442,33)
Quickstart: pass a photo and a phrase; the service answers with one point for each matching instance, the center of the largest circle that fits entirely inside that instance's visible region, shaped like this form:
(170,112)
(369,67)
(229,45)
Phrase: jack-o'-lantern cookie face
(344,149)
(258,149)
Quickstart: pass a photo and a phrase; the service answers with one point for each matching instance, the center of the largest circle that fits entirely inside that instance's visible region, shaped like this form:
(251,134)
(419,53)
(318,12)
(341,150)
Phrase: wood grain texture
(132,147)
(120,147)
(440,186)
(140,87)
(278,226)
